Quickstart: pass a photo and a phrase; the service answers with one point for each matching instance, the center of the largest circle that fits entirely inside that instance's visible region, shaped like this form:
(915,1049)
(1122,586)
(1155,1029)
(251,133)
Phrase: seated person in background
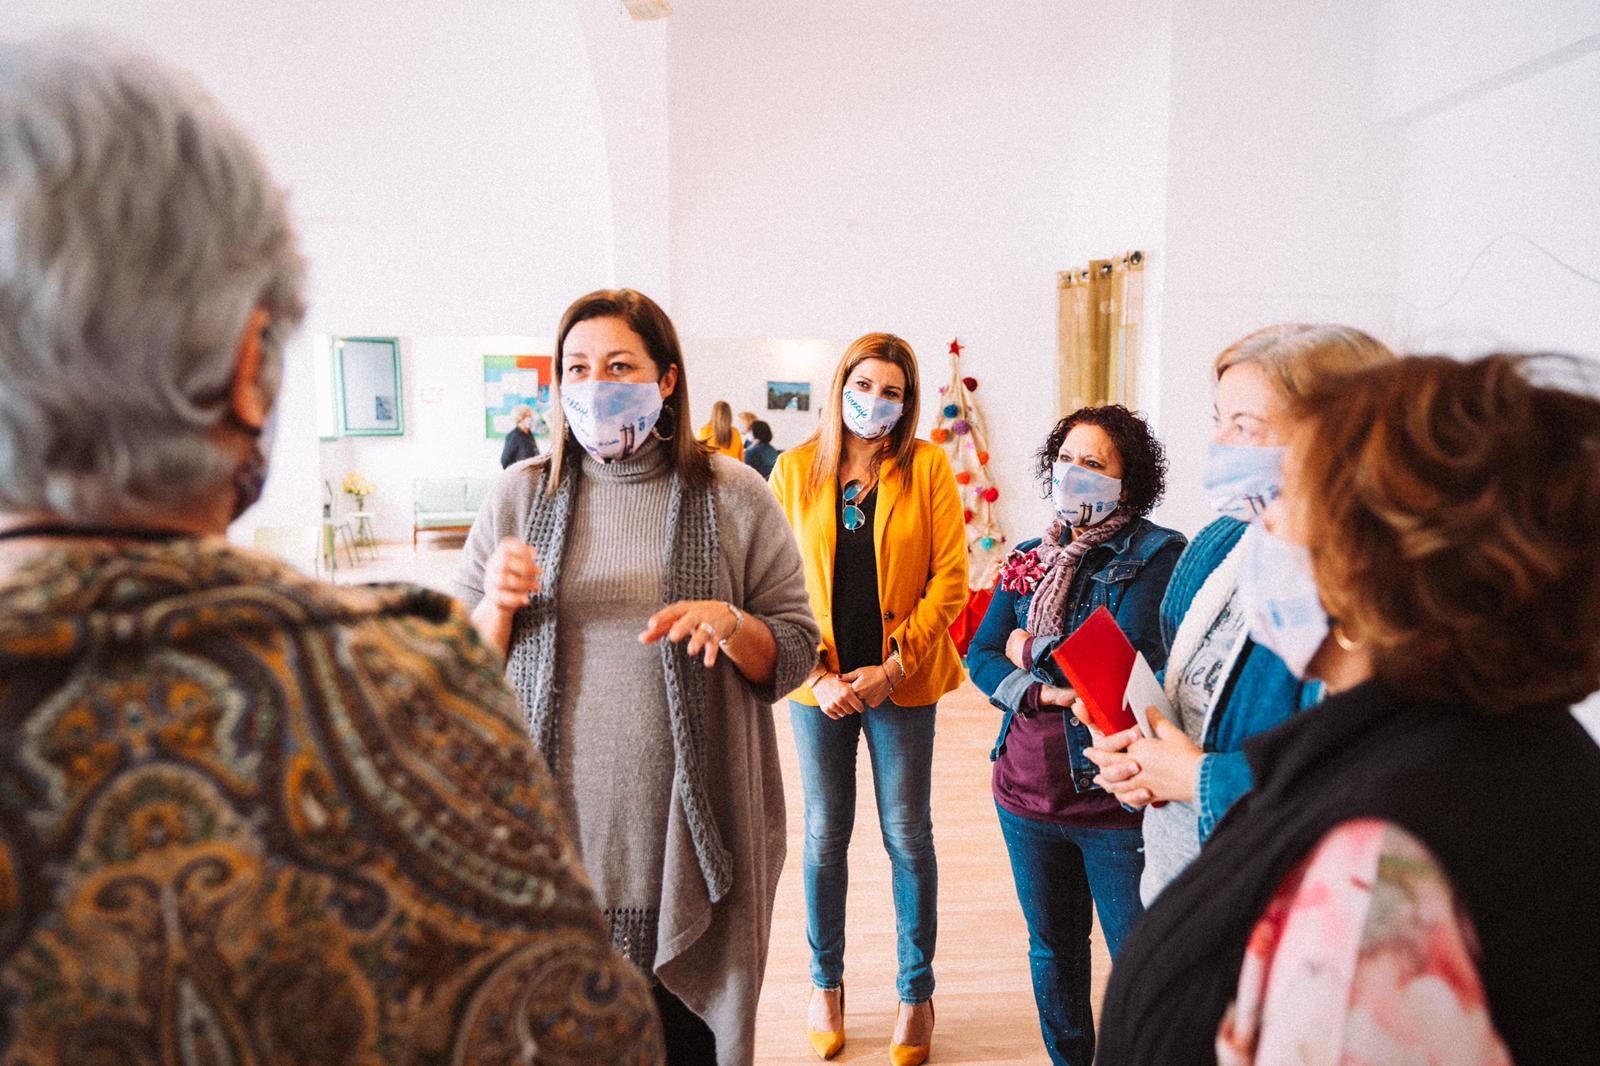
(1069,841)
(761,454)
(1414,877)
(246,816)
(520,442)
(719,432)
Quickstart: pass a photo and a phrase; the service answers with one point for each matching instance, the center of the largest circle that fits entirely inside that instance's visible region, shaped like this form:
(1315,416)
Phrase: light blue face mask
(611,419)
(1280,599)
(1083,497)
(870,417)
(1241,480)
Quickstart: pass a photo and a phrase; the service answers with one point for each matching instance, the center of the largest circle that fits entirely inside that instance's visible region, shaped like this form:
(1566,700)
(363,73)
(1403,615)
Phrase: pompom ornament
(959,429)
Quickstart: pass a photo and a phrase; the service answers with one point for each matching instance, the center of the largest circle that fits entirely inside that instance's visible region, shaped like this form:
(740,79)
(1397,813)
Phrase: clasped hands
(1136,769)
(511,578)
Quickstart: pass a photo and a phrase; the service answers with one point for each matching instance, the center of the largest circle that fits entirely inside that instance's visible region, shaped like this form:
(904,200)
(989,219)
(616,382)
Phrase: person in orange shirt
(719,432)
(878,518)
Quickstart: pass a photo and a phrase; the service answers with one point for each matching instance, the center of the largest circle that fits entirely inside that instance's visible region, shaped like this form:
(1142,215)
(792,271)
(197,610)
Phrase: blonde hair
(519,412)
(901,445)
(721,424)
(1296,356)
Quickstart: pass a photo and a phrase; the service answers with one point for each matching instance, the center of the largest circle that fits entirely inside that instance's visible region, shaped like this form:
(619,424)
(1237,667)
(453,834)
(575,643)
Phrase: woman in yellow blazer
(719,432)
(878,518)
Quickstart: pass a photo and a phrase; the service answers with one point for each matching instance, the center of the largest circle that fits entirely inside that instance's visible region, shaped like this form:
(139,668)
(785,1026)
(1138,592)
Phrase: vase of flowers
(356,484)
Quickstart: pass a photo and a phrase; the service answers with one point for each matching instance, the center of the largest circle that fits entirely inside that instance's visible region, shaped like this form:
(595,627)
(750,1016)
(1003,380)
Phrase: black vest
(1510,806)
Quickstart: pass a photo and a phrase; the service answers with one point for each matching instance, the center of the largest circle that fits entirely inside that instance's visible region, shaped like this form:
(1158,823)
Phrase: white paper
(1145,691)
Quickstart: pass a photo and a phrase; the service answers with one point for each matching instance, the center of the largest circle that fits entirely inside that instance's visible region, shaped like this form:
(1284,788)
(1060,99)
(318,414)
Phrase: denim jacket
(1127,575)
(1258,694)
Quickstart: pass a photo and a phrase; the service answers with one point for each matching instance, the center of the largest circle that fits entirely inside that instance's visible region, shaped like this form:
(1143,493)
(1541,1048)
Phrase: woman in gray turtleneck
(652,606)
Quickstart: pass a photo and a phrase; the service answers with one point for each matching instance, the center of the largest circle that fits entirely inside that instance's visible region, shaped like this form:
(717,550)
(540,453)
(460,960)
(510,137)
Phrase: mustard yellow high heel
(912,1054)
(828,1044)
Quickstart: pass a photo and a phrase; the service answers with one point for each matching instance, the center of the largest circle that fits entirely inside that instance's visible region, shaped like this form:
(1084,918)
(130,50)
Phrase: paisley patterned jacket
(250,818)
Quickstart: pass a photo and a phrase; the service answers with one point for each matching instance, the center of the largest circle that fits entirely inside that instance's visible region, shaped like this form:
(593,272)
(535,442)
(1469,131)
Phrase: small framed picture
(368,369)
(788,395)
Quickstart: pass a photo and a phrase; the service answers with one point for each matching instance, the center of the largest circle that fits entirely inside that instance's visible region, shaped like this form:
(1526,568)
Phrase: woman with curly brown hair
(1070,842)
(1389,894)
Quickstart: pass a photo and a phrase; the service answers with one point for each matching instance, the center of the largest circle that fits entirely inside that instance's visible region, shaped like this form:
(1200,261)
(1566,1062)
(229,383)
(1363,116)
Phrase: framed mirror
(369,386)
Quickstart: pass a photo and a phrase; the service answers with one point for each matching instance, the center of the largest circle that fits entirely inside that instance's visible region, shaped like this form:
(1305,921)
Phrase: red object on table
(1097,659)
(965,627)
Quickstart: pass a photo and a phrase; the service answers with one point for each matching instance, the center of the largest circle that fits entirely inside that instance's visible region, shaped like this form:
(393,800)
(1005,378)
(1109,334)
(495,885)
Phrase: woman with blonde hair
(719,432)
(878,518)
(1414,877)
(1224,687)
(650,603)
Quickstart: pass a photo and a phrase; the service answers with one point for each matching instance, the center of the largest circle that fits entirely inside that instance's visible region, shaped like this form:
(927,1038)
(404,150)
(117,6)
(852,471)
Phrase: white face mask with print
(870,417)
(1241,480)
(611,419)
(1280,599)
(1083,497)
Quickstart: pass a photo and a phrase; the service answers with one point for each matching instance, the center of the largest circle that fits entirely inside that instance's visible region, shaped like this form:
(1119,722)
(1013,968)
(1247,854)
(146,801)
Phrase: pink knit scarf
(1047,616)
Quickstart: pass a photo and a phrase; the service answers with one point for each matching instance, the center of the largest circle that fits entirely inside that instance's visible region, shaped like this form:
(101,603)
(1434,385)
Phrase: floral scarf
(1047,616)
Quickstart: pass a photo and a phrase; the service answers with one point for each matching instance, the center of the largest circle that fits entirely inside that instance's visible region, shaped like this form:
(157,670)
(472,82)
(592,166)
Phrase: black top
(761,456)
(857,615)
(1504,802)
(519,445)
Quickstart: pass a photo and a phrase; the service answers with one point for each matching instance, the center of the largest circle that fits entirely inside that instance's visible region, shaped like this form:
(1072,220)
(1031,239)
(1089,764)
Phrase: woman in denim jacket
(1069,841)
(1223,686)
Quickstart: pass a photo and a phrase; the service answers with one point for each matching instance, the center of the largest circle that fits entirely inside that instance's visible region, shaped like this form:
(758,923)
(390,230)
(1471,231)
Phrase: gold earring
(1344,639)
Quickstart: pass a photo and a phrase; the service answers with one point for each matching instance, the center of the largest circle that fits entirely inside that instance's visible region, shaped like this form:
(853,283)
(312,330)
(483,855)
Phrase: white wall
(448,170)
(1281,196)
(842,167)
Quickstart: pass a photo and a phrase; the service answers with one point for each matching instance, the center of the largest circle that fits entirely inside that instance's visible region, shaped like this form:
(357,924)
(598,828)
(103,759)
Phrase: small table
(364,537)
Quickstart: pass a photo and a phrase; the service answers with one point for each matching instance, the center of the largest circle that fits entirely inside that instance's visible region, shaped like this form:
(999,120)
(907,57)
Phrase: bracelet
(738,623)
(894,657)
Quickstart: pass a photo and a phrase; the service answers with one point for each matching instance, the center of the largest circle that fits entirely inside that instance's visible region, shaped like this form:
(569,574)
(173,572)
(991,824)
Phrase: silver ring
(708,627)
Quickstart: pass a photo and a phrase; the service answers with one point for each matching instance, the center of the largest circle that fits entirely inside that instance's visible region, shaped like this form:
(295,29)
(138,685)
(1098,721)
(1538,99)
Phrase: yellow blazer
(921,543)
(734,450)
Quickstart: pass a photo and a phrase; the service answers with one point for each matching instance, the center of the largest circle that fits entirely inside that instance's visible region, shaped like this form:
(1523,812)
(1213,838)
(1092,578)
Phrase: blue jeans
(900,745)
(1058,868)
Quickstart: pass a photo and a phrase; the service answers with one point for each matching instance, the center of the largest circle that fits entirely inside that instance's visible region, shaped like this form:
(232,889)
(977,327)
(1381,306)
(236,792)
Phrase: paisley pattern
(248,818)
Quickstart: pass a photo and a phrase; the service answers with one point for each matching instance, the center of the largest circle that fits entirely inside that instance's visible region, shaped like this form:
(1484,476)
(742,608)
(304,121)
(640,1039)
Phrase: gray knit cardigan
(710,953)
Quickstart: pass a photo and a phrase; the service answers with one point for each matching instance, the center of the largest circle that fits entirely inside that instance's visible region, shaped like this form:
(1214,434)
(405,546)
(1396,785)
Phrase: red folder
(1097,659)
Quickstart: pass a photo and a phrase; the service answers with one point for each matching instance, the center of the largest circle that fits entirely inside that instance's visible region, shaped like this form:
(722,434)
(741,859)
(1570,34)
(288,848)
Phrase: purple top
(1033,778)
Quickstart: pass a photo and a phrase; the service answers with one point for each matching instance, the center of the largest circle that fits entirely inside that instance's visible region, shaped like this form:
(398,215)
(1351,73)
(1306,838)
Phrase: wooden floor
(984,1000)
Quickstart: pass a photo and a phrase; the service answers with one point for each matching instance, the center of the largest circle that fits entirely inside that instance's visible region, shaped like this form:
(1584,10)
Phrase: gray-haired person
(245,816)
(520,443)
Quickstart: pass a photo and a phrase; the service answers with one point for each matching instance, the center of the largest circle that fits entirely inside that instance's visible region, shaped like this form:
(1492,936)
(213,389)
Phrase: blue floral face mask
(870,417)
(611,419)
(1083,497)
(1280,599)
(1241,480)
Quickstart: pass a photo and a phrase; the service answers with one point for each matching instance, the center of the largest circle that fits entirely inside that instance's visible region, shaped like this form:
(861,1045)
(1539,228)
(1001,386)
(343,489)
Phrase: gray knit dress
(615,752)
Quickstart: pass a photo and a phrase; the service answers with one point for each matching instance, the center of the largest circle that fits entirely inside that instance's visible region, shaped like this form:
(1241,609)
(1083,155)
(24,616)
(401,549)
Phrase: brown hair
(1296,355)
(1452,511)
(901,444)
(721,424)
(689,457)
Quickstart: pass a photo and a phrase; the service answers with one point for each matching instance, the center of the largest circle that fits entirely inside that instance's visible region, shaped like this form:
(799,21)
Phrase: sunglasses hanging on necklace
(853,494)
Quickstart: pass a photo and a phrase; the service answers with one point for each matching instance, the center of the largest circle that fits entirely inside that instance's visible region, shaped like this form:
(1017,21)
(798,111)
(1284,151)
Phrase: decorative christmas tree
(959,430)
